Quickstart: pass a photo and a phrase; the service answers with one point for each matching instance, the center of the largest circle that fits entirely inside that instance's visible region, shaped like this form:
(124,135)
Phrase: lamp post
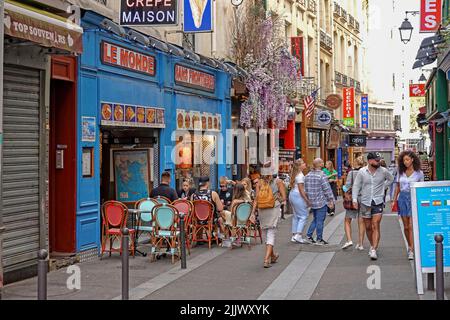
(406,28)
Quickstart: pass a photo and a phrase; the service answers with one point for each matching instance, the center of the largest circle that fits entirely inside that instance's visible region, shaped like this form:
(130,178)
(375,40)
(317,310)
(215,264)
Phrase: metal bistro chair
(186,207)
(203,222)
(165,217)
(242,223)
(145,218)
(161,199)
(115,215)
(255,228)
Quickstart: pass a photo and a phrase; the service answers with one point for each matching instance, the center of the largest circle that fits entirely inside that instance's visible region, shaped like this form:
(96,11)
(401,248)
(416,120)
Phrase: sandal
(267,264)
(274,259)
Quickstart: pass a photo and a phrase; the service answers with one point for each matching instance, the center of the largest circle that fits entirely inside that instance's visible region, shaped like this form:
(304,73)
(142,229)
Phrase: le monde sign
(148,12)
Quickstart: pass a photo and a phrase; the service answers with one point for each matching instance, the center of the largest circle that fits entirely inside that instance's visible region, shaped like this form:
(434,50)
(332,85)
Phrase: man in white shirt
(371,183)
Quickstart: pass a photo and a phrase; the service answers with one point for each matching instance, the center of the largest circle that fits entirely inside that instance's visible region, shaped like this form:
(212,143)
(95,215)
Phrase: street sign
(324,118)
(431,216)
(148,13)
(197,16)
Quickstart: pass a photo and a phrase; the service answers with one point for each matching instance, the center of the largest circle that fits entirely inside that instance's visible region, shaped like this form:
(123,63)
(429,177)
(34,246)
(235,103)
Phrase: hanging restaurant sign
(193,78)
(121,115)
(148,12)
(349,106)
(430,15)
(118,56)
(45,29)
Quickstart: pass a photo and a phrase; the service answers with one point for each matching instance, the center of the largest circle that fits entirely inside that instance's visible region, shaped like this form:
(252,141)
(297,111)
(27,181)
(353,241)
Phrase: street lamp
(406,28)
(422,78)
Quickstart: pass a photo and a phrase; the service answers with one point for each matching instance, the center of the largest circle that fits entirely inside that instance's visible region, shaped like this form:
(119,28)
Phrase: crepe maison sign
(117,56)
(148,12)
(192,78)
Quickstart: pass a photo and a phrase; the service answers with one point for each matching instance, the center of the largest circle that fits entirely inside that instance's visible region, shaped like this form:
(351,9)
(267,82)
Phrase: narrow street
(304,272)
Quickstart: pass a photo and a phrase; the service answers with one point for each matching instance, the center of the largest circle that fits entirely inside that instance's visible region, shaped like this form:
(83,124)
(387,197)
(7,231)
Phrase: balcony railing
(344,80)
(356,26)
(312,6)
(352,82)
(351,21)
(337,10)
(344,15)
(325,40)
(337,77)
(302,3)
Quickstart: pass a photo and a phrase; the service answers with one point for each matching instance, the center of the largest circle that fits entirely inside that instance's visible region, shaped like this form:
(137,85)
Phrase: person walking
(332,178)
(298,200)
(370,184)
(408,172)
(351,214)
(270,194)
(319,193)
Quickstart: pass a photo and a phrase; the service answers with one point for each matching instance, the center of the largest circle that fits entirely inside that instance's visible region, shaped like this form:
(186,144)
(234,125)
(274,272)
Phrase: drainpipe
(2,8)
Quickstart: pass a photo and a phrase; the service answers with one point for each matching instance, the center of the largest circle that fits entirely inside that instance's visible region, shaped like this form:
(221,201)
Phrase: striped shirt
(318,189)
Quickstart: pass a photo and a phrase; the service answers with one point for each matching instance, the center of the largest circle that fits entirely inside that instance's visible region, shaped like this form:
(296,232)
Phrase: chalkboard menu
(426,168)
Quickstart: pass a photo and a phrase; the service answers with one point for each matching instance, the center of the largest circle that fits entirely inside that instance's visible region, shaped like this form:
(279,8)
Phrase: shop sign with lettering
(365,112)
(148,12)
(118,56)
(193,78)
(349,106)
(357,141)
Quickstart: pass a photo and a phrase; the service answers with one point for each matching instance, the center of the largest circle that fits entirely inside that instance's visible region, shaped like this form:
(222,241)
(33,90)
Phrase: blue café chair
(242,225)
(165,233)
(145,221)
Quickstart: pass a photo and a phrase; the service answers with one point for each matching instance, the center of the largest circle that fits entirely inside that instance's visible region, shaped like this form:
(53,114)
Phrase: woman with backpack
(270,194)
(350,212)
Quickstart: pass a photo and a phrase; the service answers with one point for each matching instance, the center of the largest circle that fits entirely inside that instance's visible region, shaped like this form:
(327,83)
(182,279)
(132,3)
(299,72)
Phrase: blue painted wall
(99,82)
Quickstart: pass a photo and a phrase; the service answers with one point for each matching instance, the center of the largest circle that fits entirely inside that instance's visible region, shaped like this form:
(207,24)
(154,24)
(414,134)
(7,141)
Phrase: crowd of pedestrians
(312,192)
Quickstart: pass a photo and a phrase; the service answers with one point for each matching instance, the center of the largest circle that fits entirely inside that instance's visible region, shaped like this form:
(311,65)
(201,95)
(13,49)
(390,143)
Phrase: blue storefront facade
(131,100)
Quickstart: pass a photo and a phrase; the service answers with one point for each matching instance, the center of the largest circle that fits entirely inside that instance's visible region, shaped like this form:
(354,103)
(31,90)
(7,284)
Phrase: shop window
(313,139)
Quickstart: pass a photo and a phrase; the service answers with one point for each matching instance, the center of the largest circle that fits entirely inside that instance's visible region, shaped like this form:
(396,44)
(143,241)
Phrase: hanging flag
(309,103)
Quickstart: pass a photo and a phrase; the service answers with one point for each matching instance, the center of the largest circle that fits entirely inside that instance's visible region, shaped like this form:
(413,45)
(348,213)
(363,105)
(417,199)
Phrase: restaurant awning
(42,27)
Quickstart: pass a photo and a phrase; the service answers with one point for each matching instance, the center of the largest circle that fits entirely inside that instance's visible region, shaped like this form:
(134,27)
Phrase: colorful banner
(349,106)
(297,51)
(430,15)
(365,112)
(122,115)
(417,90)
(148,13)
(198,16)
(34,26)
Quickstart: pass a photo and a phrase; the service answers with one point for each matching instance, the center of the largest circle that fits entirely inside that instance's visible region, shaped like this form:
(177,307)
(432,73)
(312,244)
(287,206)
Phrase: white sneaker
(293,239)
(370,250)
(373,254)
(410,254)
(359,247)
(348,244)
(298,238)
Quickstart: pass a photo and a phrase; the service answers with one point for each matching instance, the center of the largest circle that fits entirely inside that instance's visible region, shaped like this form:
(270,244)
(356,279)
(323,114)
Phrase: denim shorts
(369,212)
(404,204)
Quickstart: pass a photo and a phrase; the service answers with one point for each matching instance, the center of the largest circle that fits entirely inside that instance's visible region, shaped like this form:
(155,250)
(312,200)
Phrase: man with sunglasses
(371,183)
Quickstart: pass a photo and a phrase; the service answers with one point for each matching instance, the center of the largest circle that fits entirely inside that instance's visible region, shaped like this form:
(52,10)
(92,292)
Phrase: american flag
(309,102)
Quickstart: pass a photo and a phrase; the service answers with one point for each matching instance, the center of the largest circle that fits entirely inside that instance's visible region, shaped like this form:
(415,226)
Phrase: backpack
(265,197)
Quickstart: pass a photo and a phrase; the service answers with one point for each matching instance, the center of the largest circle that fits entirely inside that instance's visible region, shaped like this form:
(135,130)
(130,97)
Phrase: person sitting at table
(164,189)
(187,189)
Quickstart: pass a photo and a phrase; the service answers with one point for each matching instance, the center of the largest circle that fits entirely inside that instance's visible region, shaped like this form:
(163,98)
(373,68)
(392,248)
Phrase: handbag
(395,207)
(348,199)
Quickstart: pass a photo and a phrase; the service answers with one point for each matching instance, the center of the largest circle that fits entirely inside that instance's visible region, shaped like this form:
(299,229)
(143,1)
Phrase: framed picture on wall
(132,174)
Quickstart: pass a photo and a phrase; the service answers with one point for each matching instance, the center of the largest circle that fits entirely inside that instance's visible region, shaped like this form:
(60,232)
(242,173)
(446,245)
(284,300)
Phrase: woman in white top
(408,172)
(299,200)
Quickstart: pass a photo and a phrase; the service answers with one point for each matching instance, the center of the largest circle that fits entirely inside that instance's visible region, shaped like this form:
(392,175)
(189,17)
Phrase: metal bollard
(439,267)
(183,241)
(42,274)
(125,263)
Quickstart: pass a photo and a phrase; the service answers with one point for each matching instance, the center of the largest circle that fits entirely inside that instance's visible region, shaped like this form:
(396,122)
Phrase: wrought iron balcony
(356,26)
(325,40)
(352,82)
(344,15)
(337,77)
(312,6)
(337,10)
(351,21)
(301,3)
(344,80)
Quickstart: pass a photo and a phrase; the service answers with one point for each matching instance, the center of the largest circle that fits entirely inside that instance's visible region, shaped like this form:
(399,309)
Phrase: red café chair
(186,207)
(114,214)
(203,223)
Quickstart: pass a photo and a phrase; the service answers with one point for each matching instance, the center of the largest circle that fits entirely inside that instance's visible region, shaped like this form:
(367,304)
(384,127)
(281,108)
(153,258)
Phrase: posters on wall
(194,120)
(88,125)
(125,115)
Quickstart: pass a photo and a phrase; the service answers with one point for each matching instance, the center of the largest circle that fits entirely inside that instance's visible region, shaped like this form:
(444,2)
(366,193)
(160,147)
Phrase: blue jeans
(318,222)
(300,212)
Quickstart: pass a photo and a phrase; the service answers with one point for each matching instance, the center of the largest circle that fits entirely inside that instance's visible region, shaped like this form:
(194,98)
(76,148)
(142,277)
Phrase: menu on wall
(194,120)
(125,115)
(432,218)
(286,160)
